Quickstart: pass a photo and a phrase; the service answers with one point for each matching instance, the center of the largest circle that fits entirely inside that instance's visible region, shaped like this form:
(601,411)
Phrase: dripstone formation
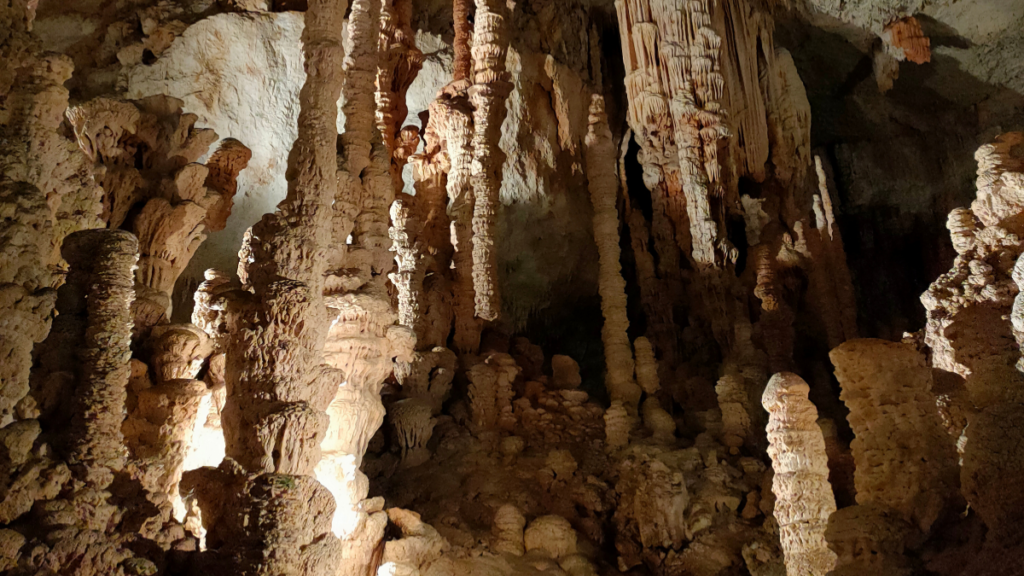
(516,287)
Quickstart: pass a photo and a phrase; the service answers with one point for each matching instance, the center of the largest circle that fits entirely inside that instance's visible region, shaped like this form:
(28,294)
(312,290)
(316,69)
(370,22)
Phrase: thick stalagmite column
(279,387)
(604,184)
(490,89)
(905,461)
(82,523)
(804,496)
(26,301)
(95,438)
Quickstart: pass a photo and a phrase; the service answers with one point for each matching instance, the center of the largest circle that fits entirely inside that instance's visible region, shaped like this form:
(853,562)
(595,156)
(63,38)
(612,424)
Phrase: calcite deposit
(444,287)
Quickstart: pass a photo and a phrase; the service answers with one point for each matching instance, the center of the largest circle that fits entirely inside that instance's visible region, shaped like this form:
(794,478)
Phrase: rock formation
(279,387)
(904,460)
(481,217)
(488,92)
(604,185)
(804,498)
(146,153)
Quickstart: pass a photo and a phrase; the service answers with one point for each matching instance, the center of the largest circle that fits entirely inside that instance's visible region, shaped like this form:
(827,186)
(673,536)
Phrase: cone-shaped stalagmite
(804,496)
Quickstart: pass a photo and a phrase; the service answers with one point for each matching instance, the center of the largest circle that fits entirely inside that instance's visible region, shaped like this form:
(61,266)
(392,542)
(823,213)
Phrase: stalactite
(413,426)
(420,230)
(408,279)
(463,32)
(399,61)
(490,89)
(905,40)
(904,460)
(461,207)
(674,85)
(603,184)
(654,296)
(831,289)
(804,497)
(776,321)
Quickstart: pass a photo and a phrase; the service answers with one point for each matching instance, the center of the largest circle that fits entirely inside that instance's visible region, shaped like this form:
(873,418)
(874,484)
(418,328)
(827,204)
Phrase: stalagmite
(804,497)
(904,459)
(616,425)
(418,319)
(970,332)
(507,528)
(734,402)
(603,185)
(488,93)
(490,392)
(158,429)
(646,366)
(868,539)
(279,387)
(658,421)
(419,545)
(83,525)
(103,375)
(565,373)
(552,535)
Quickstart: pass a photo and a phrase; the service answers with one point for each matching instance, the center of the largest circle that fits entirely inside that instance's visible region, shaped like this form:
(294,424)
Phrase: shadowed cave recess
(511,287)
